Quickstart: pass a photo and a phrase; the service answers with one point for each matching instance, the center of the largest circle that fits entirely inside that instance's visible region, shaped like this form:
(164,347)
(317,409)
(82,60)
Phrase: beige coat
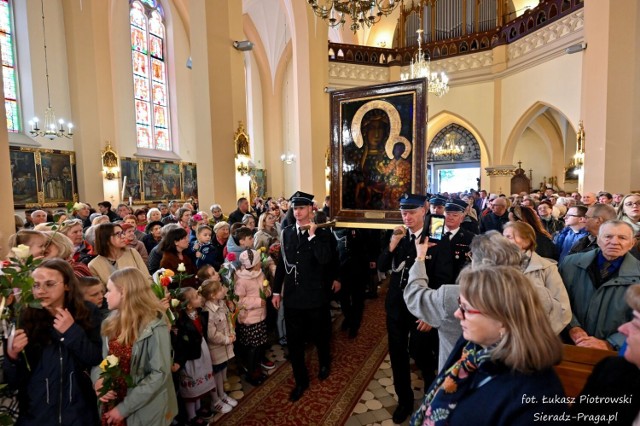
(101,268)
(219,332)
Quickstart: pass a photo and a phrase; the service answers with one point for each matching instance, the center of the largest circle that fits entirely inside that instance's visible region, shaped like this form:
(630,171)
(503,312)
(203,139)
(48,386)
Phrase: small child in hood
(252,288)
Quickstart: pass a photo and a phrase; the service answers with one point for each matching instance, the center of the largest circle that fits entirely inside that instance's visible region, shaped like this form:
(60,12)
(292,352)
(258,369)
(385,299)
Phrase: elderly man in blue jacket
(596,282)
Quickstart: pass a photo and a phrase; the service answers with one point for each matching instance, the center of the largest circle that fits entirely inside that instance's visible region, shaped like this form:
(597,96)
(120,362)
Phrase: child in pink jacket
(252,288)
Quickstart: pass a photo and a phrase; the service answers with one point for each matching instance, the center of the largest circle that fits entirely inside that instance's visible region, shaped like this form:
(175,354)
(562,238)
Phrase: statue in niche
(242,141)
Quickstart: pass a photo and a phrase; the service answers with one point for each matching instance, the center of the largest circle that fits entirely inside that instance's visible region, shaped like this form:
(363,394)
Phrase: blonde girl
(36,240)
(220,337)
(137,332)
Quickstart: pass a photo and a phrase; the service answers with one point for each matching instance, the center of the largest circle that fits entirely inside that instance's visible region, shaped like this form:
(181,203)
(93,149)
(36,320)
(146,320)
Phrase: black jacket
(300,274)
(58,388)
(399,261)
(613,377)
(189,340)
(445,261)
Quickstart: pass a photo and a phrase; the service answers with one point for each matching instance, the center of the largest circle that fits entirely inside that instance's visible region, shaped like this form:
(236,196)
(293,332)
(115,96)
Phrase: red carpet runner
(330,402)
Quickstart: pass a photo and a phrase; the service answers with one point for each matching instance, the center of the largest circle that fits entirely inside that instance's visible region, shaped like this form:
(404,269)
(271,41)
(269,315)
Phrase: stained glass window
(149,75)
(10,76)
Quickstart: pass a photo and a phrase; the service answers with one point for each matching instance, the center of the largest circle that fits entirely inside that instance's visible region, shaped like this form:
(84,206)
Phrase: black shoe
(297,392)
(324,372)
(401,413)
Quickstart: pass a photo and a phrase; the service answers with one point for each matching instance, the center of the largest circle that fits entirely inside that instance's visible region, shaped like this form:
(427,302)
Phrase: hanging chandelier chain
(50,129)
(46,61)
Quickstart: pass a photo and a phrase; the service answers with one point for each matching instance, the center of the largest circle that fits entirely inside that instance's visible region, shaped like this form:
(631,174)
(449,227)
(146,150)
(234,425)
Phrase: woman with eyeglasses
(629,211)
(113,253)
(500,372)
(48,359)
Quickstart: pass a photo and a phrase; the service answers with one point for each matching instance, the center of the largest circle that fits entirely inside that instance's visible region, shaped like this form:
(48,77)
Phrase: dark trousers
(352,299)
(304,325)
(406,341)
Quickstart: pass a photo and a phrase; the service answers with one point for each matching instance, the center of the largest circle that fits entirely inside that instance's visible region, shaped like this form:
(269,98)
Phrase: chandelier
(420,67)
(363,13)
(51,128)
(449,149)
(287,158)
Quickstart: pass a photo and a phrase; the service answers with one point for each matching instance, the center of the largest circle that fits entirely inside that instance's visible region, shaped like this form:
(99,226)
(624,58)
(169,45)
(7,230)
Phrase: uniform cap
(412,201)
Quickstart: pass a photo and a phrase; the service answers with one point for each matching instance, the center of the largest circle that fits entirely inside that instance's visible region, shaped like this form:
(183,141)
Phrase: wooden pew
(576,366)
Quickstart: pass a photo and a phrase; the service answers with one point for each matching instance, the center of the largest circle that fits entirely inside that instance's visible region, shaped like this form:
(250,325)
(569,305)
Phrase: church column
(611,95)
(87,41)
(310,62)
(219,95)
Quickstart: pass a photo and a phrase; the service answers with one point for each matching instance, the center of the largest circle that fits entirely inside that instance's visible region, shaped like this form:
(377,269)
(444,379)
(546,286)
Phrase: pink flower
(231,257)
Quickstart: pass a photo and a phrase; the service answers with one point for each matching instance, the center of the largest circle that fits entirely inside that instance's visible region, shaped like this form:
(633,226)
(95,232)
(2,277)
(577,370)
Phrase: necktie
(413,238)
(448,235)
(604,271)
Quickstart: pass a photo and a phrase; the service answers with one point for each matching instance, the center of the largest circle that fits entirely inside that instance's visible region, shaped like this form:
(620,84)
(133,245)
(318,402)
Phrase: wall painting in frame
(162,181)
(189,181)
(377,151)
(24,177)
(58,170)
(131,169)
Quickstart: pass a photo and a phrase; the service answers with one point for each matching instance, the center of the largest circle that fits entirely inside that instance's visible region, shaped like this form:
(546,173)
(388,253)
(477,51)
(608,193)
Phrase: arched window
(9,67)
(151,94)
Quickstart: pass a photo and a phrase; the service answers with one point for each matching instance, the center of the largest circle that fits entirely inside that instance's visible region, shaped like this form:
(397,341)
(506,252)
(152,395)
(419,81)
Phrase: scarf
(449,387)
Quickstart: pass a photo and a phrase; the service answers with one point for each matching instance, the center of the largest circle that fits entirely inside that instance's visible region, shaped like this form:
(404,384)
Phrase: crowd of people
(483,289)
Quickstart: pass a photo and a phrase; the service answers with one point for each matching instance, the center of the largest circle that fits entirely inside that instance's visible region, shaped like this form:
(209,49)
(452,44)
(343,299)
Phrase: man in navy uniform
(407,335)
(450,254)
(301,280)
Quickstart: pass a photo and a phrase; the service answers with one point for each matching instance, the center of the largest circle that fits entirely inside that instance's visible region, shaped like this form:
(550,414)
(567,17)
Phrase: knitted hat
(249,258)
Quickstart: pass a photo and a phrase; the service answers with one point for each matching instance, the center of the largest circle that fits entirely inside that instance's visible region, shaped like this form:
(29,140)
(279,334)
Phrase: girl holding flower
(220,336)
(252,288)
(137,333)
(193,356)
(48,357)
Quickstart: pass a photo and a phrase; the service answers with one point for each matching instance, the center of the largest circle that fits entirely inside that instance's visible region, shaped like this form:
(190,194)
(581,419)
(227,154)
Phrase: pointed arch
(445,118)
(556,140)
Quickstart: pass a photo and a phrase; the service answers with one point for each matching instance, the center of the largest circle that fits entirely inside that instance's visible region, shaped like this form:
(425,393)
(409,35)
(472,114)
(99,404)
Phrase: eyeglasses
(465,311)
(573,215)
(119,234)
(632,204)
(46,286)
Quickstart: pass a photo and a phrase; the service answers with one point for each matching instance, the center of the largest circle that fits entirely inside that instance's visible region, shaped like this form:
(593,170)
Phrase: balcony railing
(532,20)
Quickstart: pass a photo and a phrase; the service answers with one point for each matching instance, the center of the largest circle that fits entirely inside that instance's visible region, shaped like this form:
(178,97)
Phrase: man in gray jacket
(436,307)
(596,282)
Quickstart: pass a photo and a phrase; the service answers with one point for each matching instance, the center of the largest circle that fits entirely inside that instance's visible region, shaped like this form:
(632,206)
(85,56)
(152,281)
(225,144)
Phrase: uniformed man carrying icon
(408,336)
(302,287)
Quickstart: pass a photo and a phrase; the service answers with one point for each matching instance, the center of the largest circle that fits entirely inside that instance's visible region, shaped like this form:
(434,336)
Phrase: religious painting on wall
(130,169)
(58,170)
(190,181)
(24,177)
(43,177)
(377,150)
(161,181)
(258,186)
